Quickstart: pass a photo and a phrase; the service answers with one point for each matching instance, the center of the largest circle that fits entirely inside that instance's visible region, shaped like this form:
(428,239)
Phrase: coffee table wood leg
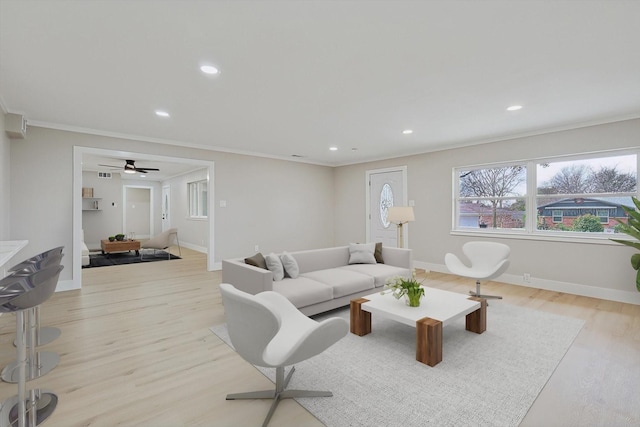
(360,320)
(429,341)
(477,321)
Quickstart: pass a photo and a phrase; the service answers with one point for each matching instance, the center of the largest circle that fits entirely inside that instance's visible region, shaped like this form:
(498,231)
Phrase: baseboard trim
(67,285)
(197,248)
(552,285)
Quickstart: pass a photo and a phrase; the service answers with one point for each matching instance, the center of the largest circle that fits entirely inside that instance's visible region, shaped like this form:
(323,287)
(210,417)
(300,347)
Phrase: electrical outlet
(527,278)
(257,248)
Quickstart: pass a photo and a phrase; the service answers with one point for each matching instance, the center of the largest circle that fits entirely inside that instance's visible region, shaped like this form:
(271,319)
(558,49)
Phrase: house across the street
(565,211)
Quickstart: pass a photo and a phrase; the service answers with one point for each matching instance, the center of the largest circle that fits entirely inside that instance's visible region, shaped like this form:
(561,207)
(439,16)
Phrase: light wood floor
(136,350)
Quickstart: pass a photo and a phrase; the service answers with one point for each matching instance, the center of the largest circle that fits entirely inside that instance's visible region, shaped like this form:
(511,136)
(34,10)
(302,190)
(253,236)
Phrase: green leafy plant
(119,237)
(587,223)
(402,286)
(112,238)
(632,228)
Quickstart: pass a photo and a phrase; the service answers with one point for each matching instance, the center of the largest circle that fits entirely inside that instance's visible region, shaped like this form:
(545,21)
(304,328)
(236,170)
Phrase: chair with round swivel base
(46,334)
(268,330)
(19,293)
(488,261)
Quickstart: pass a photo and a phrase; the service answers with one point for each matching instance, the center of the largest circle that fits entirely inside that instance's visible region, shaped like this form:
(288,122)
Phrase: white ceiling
(91,162)
(300,76)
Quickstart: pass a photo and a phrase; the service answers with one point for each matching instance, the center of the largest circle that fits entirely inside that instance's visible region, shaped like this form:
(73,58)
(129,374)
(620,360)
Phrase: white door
(386,189)
(166,208)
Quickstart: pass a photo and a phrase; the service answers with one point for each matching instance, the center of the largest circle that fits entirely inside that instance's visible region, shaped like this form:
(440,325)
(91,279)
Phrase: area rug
(119,258)
(488,379)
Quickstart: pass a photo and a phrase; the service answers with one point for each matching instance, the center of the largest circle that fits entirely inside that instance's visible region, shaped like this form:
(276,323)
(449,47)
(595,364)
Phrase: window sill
(600,239)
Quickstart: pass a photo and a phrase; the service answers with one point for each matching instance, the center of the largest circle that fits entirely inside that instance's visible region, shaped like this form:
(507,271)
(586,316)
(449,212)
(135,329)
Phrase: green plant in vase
(411,289)
(632,228)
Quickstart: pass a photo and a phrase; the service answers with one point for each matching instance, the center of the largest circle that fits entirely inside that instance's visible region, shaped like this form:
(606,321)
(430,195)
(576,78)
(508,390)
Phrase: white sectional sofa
(326,280)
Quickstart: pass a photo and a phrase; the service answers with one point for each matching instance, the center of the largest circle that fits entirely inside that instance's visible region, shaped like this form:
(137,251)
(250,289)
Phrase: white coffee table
(437,309)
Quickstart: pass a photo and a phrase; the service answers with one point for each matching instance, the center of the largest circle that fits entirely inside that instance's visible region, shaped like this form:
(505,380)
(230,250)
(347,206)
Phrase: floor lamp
(400,215)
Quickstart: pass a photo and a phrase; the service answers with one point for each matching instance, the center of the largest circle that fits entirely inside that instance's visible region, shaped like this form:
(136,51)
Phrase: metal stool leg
(38,363)
(27,408)
(44,334)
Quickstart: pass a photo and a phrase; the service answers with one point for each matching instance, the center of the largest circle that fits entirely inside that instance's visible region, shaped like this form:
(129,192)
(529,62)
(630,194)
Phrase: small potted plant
(120,237)
(112,238)
(411,289)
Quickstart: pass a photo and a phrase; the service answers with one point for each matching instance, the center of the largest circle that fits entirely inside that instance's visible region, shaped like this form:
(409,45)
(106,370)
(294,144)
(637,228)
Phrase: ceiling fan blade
(147,169)
(111,166)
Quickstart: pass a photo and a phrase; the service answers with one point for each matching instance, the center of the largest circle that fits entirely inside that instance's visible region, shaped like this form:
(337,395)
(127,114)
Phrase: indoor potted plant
(119,237)
(411,289)
(632,228)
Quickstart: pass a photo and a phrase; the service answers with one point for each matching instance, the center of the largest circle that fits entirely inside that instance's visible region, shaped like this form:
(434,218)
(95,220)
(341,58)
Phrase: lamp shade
(400,214)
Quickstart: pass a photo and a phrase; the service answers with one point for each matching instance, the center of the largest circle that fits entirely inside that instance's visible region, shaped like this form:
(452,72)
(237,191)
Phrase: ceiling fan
(130,167)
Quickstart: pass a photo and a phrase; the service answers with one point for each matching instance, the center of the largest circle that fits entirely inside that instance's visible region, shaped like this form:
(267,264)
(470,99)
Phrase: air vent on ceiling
(104,175)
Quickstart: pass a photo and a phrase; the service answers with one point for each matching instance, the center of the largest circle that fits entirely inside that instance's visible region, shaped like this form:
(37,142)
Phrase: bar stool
(19,293)
(44,335)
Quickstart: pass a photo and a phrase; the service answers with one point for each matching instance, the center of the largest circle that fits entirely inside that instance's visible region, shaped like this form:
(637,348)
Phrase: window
(560,196)
(492,198)
(603,215)
(198,200)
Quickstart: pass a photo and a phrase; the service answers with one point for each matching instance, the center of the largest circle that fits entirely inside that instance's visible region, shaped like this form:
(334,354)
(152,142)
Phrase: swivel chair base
(279,393)
(478,294)
(45,403)
(47,360)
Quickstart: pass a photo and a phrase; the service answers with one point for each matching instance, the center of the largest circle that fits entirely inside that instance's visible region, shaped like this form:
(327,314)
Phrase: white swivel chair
(162,241)
(488,261)
(267,330)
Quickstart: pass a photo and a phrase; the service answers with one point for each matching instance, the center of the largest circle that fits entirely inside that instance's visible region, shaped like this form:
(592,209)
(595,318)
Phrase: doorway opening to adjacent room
(80,153)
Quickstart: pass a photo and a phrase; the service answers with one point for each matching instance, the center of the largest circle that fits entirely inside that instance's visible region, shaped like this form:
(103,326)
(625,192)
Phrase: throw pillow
(274,265)
(290,265)
(362,253)
(378,253)
(257,261)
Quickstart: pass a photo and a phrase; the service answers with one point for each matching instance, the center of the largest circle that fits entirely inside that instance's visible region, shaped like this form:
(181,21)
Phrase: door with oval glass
(166,205)
(387,188)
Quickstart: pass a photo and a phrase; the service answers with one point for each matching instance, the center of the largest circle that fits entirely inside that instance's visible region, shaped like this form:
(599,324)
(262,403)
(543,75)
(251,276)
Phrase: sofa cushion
(362,253)
(290,265)
(303,291)
(343,282)
(379,272)
(274,265)
(257,261)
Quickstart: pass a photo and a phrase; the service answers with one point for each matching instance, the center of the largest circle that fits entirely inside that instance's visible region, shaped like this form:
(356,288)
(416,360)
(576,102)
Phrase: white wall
(5,169)
(589,269)
(279,205)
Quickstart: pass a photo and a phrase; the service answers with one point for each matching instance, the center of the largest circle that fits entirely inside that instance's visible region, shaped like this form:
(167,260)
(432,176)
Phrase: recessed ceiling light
(407,132)
(514,108)
(333,148)
(161,113)
(209,69)
(143,176)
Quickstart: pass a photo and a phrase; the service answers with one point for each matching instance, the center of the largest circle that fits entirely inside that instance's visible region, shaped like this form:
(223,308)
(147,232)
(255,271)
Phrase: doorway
(166,207)
(78,153)
(137,214)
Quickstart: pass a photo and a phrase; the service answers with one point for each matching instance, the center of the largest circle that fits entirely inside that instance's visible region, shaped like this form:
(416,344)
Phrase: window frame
(200,205)
(530,231)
